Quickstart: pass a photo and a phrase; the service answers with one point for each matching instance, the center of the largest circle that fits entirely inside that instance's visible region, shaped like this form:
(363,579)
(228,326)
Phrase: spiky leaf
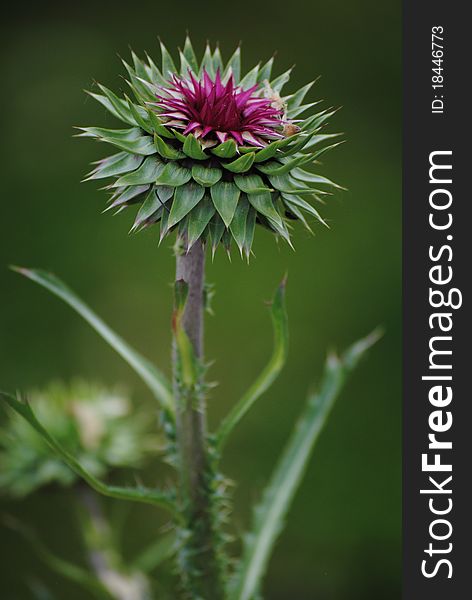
(206,176)
(251,184)
(185,198)
(120,163)
(151,204)
(174,175)
(225,196)
(226,150)
(193,148)
(198,219)
(241,164)
(131,140)
(269,373)
(189,54)
(270,514)
(234,66)
(166,150)
(168,66)
(148,172)
(238,223)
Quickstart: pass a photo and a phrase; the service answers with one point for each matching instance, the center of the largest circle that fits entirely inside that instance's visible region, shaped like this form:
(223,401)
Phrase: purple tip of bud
(212,108)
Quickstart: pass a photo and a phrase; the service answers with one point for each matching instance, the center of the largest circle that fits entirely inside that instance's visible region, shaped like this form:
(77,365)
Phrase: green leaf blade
(174,175)
(190,56)
(250,79)
(262,202)
(278,83)
(250,230)
(118,164)
(265,71)
(241,164)
(216,228)
(131,140)
(148,172)
(307,176)
(207,63)
(168,66)
(234,66)
(154,379)
(206,176)
(304,205)
(227,149)
(251,184)
(225,196)
(274,168)
(149,207)
(166,150)
(120,108)
(238,223)
(270,514)
(185,198)
(193,148)
(198,220)
(297,98)
(268,374)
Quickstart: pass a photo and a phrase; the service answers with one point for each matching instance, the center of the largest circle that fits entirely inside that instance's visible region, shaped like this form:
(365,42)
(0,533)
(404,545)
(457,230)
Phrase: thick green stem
(200,559)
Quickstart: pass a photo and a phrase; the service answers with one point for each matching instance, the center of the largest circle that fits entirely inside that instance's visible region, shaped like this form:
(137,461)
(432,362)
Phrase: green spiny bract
(210,153)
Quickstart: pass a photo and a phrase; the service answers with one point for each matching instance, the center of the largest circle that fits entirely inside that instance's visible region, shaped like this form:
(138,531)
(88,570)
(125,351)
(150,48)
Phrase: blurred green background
(343,536)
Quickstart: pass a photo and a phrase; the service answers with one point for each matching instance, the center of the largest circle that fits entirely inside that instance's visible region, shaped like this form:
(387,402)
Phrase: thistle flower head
(210,154)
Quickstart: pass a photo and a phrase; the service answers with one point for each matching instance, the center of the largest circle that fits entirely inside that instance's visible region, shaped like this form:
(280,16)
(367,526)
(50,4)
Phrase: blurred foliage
(98,427)
(102,431)
(343,536)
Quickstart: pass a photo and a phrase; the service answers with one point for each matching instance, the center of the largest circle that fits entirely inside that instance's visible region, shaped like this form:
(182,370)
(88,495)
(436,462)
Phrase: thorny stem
(199,561)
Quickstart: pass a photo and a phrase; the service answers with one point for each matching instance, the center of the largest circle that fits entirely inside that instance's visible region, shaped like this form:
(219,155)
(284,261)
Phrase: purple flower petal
(218,110)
